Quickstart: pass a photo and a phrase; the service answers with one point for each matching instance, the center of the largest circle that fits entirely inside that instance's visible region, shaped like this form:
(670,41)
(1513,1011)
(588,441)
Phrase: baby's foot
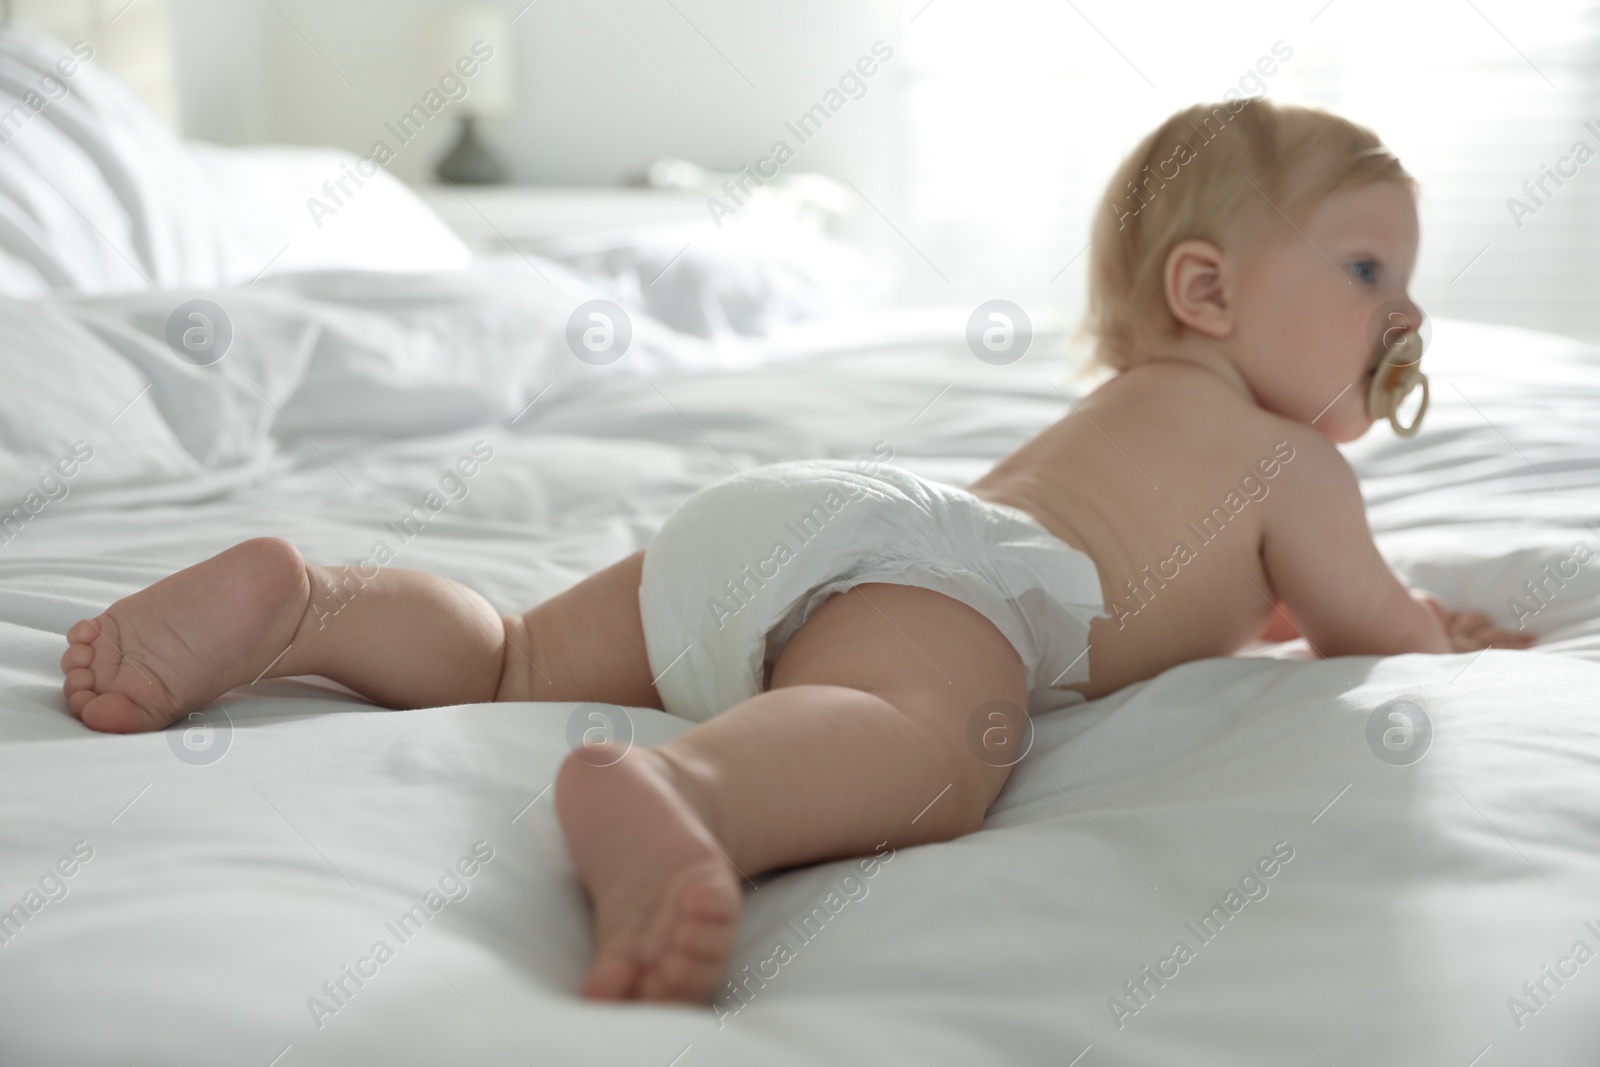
(167,650)
(666,901)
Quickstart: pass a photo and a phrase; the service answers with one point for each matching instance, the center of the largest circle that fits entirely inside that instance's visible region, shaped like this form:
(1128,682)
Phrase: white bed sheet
(1418,899)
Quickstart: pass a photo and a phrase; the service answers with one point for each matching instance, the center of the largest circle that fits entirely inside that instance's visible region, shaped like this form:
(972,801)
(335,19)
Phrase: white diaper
(736,570)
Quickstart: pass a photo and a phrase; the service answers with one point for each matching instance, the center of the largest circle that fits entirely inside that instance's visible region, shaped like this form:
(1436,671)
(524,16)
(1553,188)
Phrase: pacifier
(1397,376)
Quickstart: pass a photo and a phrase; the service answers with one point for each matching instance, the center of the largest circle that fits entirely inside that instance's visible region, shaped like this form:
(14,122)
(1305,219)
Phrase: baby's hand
(1470,631)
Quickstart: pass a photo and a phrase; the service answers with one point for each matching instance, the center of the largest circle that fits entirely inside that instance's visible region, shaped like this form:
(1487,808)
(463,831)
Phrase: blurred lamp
(464,36)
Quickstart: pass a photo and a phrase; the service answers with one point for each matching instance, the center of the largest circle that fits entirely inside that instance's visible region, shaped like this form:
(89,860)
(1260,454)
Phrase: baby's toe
(83,631)
(707,936)
(681,976)
(114,713)
(77,699)
(76,656)
(611,977)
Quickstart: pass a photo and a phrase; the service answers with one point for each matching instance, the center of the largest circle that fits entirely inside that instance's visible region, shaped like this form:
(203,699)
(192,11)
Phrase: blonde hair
(1192,177)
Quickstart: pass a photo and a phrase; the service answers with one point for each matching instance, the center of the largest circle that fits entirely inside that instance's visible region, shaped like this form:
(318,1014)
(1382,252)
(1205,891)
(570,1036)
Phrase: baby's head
(1270,239)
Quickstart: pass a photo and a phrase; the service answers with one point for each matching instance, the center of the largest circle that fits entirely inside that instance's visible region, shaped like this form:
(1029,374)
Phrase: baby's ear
(1198,280)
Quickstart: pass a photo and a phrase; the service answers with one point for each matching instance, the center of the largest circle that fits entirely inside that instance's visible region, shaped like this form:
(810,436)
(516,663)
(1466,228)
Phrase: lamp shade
(471,32)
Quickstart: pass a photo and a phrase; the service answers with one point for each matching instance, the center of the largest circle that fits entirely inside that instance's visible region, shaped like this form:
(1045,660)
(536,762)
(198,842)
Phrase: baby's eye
(1366,270)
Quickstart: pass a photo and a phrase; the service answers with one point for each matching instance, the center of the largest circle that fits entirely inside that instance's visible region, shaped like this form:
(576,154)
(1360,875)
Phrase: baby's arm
(1323,565)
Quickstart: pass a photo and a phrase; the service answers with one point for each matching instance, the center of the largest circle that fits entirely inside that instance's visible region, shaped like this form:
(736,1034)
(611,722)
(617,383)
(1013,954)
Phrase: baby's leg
(861,740)
(401,638)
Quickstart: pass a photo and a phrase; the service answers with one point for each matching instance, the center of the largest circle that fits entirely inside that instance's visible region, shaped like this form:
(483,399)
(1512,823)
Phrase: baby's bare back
(1171,482)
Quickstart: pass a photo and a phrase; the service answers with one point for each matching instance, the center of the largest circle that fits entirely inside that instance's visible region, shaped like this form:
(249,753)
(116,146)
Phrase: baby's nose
(1413,314)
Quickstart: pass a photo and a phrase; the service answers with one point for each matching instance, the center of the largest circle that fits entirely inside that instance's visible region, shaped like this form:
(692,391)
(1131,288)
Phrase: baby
(859,645)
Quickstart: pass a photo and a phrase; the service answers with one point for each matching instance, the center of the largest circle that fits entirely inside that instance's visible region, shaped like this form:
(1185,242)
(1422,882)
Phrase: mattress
(1263,859)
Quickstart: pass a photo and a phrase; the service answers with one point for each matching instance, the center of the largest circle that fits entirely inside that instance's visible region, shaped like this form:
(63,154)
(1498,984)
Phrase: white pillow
(98,196)
(281,214)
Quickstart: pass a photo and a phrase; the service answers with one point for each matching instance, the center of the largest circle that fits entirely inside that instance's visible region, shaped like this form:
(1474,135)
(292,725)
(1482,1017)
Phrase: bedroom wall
(222,64)
(986,140)
(134,42)
(602,85)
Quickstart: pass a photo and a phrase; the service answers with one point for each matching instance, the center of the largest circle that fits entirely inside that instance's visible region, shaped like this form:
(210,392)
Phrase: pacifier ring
(1422,408)
(1396,378)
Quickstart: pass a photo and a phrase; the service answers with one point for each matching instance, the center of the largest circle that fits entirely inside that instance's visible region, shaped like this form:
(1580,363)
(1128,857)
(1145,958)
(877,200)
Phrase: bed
(1364,860)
